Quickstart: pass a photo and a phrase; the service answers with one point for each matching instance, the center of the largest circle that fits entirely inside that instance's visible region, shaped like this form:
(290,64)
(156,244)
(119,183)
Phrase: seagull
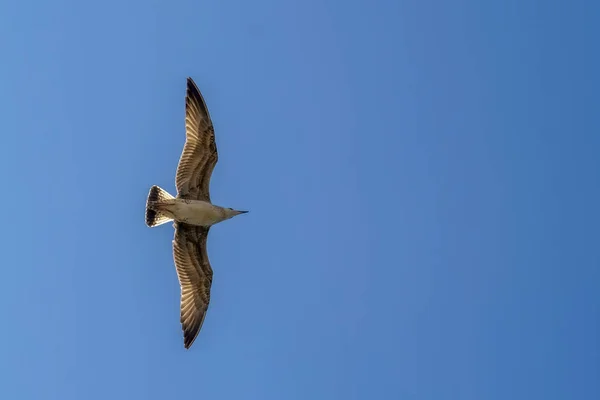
(192,212)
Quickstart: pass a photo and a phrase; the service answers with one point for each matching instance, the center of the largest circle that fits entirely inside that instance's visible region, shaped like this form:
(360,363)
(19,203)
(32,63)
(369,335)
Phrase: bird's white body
(193,212)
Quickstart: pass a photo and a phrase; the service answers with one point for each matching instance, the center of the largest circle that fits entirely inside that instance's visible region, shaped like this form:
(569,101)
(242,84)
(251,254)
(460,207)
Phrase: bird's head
(230,212)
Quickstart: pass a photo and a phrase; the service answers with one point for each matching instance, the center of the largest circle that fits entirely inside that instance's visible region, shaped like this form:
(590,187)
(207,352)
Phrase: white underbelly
(195,212)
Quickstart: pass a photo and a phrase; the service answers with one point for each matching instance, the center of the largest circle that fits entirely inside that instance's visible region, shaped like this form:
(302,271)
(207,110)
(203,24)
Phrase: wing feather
(199,155)
(195,277)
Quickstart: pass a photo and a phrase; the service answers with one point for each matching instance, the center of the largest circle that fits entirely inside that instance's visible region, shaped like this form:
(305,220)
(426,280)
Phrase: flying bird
(192,212)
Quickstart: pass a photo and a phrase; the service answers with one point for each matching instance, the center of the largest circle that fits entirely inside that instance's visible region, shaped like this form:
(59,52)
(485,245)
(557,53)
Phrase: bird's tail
(153,216)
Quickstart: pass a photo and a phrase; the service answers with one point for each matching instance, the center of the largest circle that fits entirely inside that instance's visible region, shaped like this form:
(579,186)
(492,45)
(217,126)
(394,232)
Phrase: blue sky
(422,179)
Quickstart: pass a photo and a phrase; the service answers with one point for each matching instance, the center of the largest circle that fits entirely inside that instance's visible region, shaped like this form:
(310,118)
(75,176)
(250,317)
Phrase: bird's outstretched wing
(199,155)
(195,277)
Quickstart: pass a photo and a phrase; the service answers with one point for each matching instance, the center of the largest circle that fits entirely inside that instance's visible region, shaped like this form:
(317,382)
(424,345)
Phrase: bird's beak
(241,212)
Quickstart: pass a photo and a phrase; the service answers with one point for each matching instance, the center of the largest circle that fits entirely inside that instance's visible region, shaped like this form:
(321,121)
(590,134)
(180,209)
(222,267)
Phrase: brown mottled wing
(199,155)
(195,277)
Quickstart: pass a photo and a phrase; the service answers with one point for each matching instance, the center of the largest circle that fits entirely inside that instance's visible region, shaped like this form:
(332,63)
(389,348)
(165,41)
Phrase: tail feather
(155,197)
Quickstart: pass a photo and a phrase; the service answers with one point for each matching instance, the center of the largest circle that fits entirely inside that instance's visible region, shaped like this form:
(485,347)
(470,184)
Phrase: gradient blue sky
(423,179)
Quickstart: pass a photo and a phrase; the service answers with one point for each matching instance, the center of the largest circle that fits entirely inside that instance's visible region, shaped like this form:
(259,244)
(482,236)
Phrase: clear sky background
(423,180)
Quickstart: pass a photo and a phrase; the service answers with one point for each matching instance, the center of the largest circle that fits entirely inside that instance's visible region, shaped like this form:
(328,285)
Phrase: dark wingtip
(188,339)
(193,94)
(191,86)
